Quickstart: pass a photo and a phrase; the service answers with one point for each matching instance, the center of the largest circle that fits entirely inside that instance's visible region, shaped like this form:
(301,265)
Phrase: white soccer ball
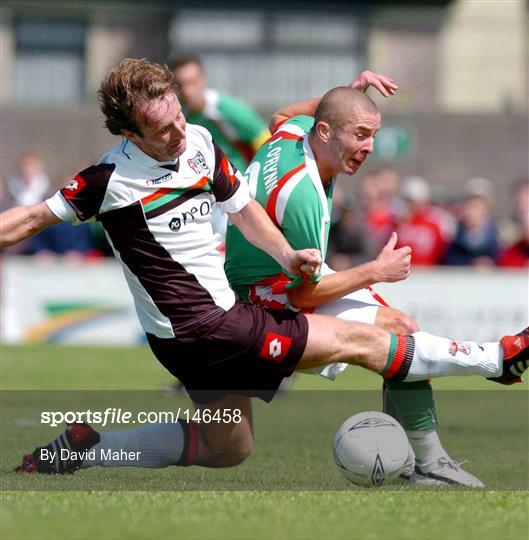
(371,449)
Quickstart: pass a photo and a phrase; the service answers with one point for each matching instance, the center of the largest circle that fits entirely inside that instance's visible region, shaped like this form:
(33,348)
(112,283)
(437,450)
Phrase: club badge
(198,163)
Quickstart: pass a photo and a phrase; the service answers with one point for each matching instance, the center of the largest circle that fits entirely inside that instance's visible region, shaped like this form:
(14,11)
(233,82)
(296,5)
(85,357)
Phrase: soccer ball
(371,449)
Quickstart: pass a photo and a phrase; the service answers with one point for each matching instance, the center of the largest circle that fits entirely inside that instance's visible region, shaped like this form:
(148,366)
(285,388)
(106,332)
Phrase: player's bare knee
(406,324)
(396,321)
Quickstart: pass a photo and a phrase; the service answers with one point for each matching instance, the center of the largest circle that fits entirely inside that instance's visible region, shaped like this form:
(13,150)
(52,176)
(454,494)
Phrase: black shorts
(246,351)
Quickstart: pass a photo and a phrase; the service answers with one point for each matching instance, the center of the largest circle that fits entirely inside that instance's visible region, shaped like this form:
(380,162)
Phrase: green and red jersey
(283,177)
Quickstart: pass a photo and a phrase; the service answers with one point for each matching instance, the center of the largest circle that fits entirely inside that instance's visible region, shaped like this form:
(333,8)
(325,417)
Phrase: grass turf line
(234,514)
(264,515)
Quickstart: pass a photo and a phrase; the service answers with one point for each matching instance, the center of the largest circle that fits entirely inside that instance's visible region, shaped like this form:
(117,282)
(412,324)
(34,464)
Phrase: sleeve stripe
(227,169)
(279,124)
(288,132)
(291,129)
(272,201)
(225,180)
(288,136)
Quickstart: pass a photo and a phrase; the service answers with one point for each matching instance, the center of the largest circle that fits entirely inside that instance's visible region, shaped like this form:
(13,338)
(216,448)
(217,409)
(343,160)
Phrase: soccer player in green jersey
(234,125)
(292,177)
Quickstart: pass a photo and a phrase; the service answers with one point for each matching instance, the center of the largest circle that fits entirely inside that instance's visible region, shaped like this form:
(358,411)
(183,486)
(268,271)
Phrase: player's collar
(135,153)
(171,166)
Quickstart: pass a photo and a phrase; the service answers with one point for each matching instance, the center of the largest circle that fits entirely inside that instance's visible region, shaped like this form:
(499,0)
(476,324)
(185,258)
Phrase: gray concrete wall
(449,149)
(446,149)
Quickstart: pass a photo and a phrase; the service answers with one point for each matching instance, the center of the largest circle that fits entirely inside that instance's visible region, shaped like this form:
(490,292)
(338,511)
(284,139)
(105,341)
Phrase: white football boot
(409,466)
(444,473)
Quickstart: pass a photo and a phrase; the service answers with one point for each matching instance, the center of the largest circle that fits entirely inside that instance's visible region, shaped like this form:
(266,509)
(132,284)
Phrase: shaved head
(343,135)
(342,105)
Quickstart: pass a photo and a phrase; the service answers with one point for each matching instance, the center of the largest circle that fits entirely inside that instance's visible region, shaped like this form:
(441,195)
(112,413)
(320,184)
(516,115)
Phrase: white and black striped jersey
(157,217)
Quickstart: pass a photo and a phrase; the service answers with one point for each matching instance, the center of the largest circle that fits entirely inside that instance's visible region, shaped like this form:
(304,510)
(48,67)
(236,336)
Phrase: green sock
(411,403)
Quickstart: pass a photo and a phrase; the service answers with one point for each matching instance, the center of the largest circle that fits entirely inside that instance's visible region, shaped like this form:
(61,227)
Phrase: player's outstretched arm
(307,107)
(21,222)
(390,265)
(385,85)
(258,229)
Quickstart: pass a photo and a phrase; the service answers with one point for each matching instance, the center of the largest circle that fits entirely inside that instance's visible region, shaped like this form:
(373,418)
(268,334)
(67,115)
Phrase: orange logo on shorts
(275,347)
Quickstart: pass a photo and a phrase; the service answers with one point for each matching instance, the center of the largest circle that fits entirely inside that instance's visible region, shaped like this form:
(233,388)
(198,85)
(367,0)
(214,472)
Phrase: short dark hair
(127,86)
(336,106)
(176,62)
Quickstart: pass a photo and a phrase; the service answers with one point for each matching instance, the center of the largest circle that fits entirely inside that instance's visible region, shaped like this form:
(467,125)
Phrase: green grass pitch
(289,487)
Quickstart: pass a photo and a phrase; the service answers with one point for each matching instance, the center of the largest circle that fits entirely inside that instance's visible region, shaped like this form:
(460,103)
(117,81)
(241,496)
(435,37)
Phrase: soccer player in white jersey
(153,194)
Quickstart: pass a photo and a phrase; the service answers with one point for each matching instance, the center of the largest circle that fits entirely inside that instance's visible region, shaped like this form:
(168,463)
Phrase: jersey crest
(198,164)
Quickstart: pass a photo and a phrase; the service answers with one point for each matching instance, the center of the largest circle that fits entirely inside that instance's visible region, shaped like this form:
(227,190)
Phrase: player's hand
(385,85)
(304,261)
(393,264)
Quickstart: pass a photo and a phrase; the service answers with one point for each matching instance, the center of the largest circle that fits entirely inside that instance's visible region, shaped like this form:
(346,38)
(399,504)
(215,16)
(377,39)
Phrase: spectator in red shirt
(423,227)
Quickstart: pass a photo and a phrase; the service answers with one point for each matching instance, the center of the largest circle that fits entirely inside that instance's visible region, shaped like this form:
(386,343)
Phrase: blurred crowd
(456,230)
(29,184)
(460,230)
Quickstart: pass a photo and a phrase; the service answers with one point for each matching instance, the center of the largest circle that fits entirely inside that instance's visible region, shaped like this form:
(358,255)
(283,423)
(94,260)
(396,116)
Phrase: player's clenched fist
(307,261)
(393,264)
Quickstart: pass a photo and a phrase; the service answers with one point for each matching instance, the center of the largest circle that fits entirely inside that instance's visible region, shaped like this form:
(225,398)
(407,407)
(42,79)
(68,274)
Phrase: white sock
(156,446)
(436,357)
(427,448)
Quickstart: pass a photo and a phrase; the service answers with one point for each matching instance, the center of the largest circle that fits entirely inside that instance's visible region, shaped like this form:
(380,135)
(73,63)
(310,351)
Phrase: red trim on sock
(192,446)
(398,358)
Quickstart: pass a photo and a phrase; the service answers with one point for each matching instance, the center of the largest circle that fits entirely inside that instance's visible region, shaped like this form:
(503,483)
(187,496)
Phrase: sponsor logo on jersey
(73,187)
(456,346)
(175,224)
(161,180)
(194,212)
(275,347)
(198,163)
